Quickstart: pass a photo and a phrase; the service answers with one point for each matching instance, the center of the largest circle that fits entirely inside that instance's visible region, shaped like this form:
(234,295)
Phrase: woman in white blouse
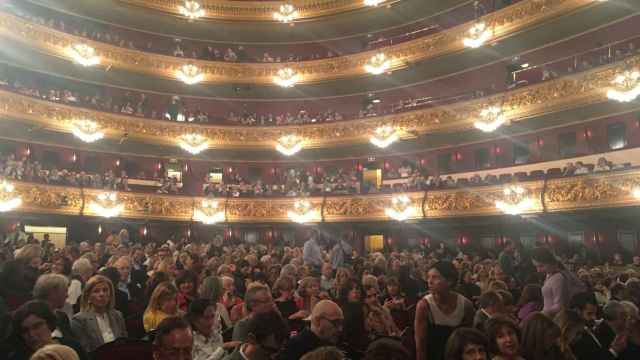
(98,322)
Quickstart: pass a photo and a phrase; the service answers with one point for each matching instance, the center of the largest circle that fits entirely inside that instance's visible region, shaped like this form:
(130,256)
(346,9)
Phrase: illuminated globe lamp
(378,64)
(106,205)
(289,144)
(191,10)
(515,200)
(83,54)
(401,208)
(209,212)
(302,212)
(189,74)
(491,118)
(86,130)
(193,143)
(479,34)
(626,86)
(636,192)
(8,198)
(286,13)
(286,77)
(373,3)
(384,136)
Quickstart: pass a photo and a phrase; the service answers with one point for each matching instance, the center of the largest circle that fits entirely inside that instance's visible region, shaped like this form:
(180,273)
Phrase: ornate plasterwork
(504,22)
(559,94)
(565,194)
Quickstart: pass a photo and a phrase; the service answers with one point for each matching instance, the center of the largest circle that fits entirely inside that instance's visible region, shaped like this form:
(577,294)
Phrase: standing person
(312,252)
(440,312)
(506,259)
(559,285)
(341,253)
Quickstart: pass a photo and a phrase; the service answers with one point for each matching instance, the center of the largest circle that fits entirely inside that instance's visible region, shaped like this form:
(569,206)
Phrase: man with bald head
(325,330)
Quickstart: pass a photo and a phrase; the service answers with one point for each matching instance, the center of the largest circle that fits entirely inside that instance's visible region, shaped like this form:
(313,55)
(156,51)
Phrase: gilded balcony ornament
(9,200)
(106,205)
(515,201)
(192,10)
(193,143)
(378,64)
(401,208)
(189,74)
(86,130)
(209,212)
(83,54)
(626,86)
(302,212)
(286,77)
(373,3)
(384,136)
(479,34)
(289,144)
(491,118)
(287,13)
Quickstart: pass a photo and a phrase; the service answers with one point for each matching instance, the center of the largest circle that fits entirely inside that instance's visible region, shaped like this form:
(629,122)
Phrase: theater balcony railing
(575,91)
(503,23)
(599,190)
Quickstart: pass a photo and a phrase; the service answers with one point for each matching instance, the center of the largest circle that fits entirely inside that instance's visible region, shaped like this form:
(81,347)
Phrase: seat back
(125,349)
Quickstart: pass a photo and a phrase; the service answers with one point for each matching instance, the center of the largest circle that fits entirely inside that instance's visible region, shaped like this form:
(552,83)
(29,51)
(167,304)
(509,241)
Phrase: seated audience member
(98,322)
(173,340)
(324,353)
(55,352)
(258,300)
(504,338)
(613,328)
(581,169)
(540,339)
(577,336)
(530,301)
(122,300)
(163,304)
(52,290)
(266,332)
(386,349)
(207,340)
(211,289)
(466,344)
(186,284)
(602,165)
(490,304)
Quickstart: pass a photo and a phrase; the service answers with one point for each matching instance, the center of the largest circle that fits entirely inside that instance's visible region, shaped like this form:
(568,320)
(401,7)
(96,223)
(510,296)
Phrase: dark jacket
(306,341)
(585,347)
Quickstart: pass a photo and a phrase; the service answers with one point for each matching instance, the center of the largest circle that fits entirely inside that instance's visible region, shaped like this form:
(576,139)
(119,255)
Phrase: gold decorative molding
(614,189)
(562,93)
(504,22)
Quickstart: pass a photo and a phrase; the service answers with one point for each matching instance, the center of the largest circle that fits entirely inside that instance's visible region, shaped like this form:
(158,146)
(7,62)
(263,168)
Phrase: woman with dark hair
(33,325)
(354,317)
(559,284)
(440,312)
(530,301)
(466,344)
(504,338)
(207,340)
(187,284)
(467,286)
(540,339)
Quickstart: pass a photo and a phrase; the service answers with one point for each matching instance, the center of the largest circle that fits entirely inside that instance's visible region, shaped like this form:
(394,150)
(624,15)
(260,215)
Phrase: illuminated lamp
(378,64)
(106,205)
(209,212)
(626,87)
(479,33)
(8,199)
(193,143)
(286,77)
(302,212)
(491,118)
(401,208)
(515,200)
(289,144)
(286,13)
(86,130)
(83,54)
(191,10)
(384,136)
(189,74)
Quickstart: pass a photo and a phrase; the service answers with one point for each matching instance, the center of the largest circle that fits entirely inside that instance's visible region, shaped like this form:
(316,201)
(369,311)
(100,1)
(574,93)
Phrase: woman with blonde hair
(98,322)
(55,352)
(163,304)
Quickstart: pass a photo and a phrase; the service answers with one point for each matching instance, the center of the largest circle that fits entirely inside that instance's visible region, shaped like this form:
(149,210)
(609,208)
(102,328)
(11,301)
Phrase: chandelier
(106,205)
(286,77)
(377,64)
(373,2)
(401,208)
(191,9)
(627,87)
(86,130)
(302,212)
(515,200)
(289,144)
(478,35)
(189,74)
(384,136)
(636,192)
(193,143)
(83,54)
(491,118)
(208,213)
(287,13)
(8,200)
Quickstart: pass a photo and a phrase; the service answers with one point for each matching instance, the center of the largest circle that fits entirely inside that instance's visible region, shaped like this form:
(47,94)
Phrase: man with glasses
(326,327)
(266,334)
(173,340)
(258,299)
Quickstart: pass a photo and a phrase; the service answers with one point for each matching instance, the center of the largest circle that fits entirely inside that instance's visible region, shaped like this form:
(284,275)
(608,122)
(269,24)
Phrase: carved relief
(583,191)
(48,198)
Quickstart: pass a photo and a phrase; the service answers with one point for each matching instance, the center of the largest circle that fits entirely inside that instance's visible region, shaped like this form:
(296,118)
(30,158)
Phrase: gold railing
(574,91)
(504,22)
(603,190)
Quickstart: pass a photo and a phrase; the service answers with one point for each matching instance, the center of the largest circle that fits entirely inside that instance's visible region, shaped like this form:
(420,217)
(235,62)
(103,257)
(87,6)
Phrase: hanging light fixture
(626,87)
(193,143)
(384,136)
(373,2)
(479,33)
(378,64)
(401,208)
(302,212)
(106,205)
(191,10)
(209,212)
(636,192)
(86,130)
(286,13)
(83,54)
(289,144)
(286,77)
(189,74)
(515,200)
(8,199)
(491,118)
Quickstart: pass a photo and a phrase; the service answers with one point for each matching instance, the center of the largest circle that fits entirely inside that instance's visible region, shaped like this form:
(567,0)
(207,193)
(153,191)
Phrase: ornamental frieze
(591,191)
(503,22)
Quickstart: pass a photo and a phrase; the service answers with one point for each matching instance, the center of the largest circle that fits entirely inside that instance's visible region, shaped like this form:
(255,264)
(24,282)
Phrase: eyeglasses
(334,322)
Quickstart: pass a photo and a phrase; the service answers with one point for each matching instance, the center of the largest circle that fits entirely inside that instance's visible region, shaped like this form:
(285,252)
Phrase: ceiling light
(193,143)
(209,212)
(289,144)
(478,35)
(302,212)
(491,118)
(626,87)
(515,200)
(286,77)
(83,54)
(86,130)
(286,13)
(191,10)
(106,205)
(525,65)
(373,2)
(378,64)
(384,136)
(190,74)
(401,208)
(8,199)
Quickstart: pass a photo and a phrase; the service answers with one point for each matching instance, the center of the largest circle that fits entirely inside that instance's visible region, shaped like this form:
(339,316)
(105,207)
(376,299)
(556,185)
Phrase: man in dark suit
(611,332)
(173,340)
(267,332)
(52,290)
